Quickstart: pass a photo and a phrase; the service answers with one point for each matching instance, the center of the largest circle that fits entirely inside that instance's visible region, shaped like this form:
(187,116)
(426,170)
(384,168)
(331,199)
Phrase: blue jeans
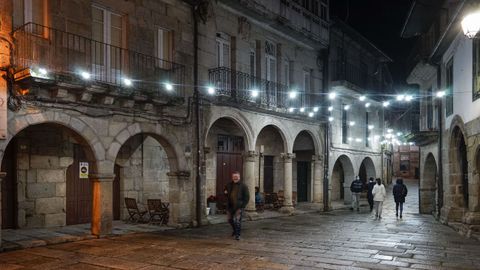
(235,220)
(401,207)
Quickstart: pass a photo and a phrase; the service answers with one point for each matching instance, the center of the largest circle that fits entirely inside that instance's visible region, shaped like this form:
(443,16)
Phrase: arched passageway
(458,169)
(430,197)
(342,176)
(141,168)
(47,182)
(303,167)
(367,170)
(226,143)
(269,167)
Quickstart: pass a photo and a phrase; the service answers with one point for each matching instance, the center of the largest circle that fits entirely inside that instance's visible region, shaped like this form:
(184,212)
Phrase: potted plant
(212,204)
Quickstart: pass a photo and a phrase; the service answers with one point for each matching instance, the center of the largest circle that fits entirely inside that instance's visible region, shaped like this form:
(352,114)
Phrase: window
(429,100)
(315,7)
(223,50)
(252,63)
(404,162)
(324,10)
(271,61)
(31,11)
(344,124)
(367,131)
(107,28)
(307,85)
(476,69)
(449,86)
(163,48)
(286,72)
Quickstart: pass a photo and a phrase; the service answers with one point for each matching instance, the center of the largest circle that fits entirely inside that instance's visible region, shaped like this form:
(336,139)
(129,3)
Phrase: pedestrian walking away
(370,185)
(379,195)
(399,193)
(237,198)
(356,188)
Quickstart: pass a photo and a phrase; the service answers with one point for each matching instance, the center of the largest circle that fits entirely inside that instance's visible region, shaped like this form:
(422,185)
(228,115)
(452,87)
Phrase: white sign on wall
(83,171)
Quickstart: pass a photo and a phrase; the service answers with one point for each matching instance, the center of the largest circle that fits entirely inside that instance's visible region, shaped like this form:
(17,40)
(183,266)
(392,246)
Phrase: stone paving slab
(335,240)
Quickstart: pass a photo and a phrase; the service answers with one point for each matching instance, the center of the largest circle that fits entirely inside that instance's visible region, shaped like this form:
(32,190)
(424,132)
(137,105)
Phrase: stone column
(287,185)
(2,176)
(102,206)
(317,179)
(249,178)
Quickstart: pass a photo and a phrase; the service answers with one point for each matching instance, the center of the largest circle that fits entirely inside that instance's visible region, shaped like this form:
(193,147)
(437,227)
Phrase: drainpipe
(440,158)
(198,179)
(326,75)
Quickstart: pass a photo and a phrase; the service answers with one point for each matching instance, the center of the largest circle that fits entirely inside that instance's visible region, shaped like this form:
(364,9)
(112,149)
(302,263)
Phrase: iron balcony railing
(240,87)
(62,52)
(344,71)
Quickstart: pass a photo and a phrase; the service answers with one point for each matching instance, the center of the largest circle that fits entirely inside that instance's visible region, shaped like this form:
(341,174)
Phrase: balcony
(68,56)
(237,87)
(344,71)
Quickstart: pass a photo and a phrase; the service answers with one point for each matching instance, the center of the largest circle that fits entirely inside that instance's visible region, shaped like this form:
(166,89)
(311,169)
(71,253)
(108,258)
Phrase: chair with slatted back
(136,215)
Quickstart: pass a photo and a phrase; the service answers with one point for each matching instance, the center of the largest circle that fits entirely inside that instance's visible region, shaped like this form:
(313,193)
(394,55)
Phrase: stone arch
(80,130)
(286,139)
(366,170)
(239,120)
(50,153)
(317,140)
(305,149)
(169,143)
(458,165)
(343,175)
(429,190)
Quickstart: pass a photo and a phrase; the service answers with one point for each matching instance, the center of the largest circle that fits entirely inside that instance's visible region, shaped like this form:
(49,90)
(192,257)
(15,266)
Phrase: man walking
(370,185)
(356,188)
(237,199)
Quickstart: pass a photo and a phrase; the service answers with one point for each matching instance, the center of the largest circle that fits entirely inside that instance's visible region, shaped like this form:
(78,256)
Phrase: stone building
(100,104)
(361,81)
(444,65)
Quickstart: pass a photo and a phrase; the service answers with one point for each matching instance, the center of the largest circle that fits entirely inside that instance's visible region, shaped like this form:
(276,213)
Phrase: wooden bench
(159,211)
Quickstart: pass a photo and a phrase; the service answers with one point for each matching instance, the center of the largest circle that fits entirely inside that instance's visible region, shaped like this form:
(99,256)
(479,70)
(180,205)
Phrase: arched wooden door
(9,189)
(79,191)
(229,159)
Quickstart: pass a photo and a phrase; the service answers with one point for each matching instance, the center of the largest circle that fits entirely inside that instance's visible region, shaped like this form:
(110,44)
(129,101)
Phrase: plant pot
(213,208)
(207,211)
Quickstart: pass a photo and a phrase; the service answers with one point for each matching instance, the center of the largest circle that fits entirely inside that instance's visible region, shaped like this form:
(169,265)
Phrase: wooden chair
(281,198)
(136,215)
(275,200)
(294,198)
(159,212)
(221,204)
(260,206)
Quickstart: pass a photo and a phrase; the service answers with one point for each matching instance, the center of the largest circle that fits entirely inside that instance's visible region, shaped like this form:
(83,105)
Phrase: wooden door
(303,177)
(229,159)
(79,191)
(9,189)
(116,193)
(268,174)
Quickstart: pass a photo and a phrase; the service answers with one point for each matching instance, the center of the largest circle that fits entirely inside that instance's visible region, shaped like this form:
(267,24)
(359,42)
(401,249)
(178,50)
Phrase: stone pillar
(317,179)
(2,176)
(249,178)
(287,185)
(102,206)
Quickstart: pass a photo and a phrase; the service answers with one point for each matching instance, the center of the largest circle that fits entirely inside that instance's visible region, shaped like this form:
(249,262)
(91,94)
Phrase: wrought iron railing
(62,52)
(344,71)
(239,87)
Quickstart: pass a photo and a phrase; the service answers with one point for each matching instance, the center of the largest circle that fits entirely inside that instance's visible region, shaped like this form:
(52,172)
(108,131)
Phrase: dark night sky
(380,21)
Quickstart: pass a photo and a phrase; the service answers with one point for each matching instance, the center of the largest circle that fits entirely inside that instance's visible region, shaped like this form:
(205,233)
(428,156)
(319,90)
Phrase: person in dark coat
(356,188)
(399,193)
(370,185)
(237,199)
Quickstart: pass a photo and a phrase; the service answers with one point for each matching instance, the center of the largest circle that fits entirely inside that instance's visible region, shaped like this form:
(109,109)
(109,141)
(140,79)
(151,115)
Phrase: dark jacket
(399,191)
(370,188)
(356,186)
(242,198)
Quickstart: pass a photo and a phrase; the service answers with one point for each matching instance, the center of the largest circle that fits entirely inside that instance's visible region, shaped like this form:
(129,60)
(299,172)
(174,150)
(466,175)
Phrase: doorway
(79,191)
(303,180)
(268,174)
(9,190)
(229,159)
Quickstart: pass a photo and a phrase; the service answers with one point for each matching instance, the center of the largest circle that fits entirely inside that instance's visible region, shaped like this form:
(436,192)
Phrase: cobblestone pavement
(335,240)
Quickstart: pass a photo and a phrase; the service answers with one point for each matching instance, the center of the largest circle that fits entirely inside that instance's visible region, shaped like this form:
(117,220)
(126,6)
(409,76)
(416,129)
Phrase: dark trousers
(370,202)
(235,220)
(401,207)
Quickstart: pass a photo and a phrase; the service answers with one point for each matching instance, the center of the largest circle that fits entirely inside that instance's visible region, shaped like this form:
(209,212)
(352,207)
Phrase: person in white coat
(379,195)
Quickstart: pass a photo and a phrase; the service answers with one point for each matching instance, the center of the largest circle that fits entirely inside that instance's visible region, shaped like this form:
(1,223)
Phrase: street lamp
(471,24)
